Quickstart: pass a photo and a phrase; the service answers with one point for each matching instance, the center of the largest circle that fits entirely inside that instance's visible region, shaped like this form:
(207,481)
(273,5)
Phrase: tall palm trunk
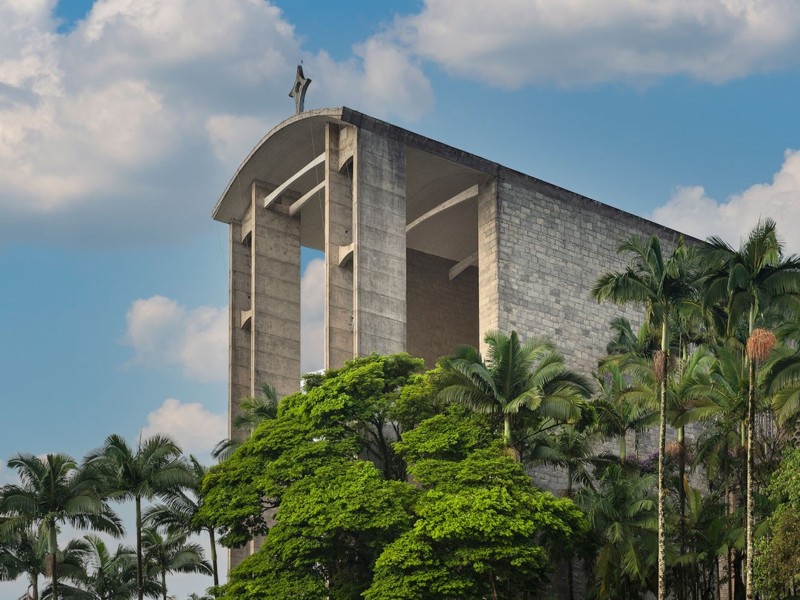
(682,504)
(507,430)
(164,583)
(214,570)
(662,448)
(53,549)
(750,519)
(139,562)
(35,587)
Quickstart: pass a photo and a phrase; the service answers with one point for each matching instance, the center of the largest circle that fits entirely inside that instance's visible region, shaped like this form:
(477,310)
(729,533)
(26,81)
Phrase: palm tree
(172,555)
(621,520)
(662,286)
(152,469)
(179,513)
(514,377)
(54,491)
(621,406)
(747,282)
(253,410)
(103,575)
(573,450)
(24,552)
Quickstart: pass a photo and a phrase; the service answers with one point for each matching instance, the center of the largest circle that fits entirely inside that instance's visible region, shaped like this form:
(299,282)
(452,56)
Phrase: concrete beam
(467,194)
(462,265)
(345,254)
(272,196)
(298,206)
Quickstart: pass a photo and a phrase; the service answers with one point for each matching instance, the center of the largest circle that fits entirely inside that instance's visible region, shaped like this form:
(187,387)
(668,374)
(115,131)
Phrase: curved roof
(286,148)
(435,174)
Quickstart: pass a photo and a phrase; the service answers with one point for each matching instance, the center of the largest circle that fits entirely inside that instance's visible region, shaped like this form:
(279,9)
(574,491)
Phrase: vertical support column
(264,301)
(488,256)
(239,379)
(379,254)
(339,148)
(275,284)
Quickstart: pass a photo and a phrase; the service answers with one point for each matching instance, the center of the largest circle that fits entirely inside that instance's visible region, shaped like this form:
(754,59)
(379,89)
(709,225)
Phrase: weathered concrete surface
(379,254)
(338,236)
(442,314)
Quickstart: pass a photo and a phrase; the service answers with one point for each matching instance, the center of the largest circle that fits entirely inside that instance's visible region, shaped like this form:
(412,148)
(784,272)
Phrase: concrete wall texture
(426,247)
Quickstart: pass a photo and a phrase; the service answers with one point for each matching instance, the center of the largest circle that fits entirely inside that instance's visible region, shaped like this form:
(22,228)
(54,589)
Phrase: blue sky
(121,123)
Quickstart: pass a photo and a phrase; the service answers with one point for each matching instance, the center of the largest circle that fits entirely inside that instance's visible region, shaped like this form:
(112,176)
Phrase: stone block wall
(552,246)
(442,314)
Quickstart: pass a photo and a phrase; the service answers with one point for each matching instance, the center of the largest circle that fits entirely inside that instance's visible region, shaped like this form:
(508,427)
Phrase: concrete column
(379,256)
(488,288)
(275,284)
(239,379)
(339,147)
(264,310)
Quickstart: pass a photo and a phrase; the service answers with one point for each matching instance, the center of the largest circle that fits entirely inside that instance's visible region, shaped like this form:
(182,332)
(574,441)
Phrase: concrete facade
(426,247)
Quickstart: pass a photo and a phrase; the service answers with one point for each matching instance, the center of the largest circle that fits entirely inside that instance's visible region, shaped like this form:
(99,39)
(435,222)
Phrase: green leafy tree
(514,378)
(358,410)
(662,285)
(330,529)
(53,491)
(151,469)
(481,530)
(777,567)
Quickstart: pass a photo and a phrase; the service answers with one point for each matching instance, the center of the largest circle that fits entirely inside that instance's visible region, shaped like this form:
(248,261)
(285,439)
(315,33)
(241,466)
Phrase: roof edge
(333,113)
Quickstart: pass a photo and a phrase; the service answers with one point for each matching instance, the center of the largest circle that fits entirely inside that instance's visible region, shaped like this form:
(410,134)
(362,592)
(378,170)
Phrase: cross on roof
(298,91)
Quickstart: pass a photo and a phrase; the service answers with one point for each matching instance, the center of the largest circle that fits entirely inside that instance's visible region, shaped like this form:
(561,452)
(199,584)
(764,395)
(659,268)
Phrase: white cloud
(383,79)
(164,333)
(312,309)
(195,429)
(514,42)
(144,108)
(691,211)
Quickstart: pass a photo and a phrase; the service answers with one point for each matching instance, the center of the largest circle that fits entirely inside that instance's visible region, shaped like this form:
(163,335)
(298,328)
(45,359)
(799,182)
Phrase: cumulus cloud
(312,311)
(190,424)
(691,211)
(165,333)
(144,108)
(515,42)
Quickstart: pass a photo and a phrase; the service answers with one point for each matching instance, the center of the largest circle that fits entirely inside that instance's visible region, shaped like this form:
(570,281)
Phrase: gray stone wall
(442,314)
(551,249)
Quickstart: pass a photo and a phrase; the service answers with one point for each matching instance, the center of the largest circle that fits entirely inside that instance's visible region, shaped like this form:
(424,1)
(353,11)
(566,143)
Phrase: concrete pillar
(264,300)
(339,148)
(275,284)
(239,379)
(488,287)
(379,236)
